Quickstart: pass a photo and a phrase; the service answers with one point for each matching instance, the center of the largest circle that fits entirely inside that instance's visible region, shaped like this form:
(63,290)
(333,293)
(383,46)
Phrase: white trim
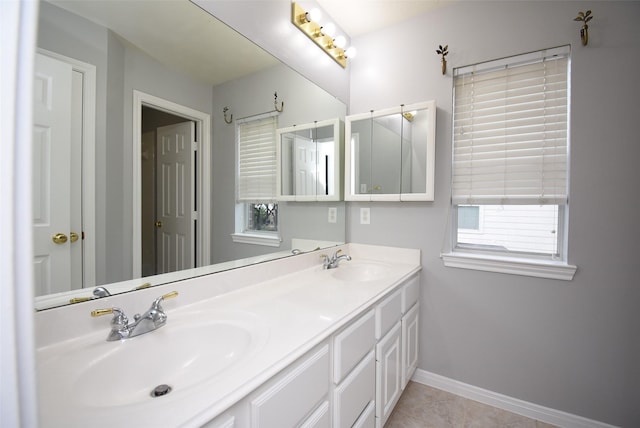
(511,265)
(269,240)
(504,402)
(88,72)
(350,169)
(18,390)
(204,174)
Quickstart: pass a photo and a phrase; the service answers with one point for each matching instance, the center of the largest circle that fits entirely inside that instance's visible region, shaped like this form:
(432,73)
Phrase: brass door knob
(73,237)
(59,238)
(158,224)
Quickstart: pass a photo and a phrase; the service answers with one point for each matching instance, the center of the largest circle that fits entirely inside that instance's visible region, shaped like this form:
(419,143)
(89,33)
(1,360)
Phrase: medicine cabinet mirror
(310,161)
(390,154)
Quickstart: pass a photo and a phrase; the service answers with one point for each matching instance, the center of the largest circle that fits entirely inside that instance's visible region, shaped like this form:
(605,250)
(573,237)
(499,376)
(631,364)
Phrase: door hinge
(194,146)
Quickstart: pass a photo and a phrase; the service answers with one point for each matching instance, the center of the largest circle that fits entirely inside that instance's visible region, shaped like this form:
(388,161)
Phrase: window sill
(511,265)
(269,240)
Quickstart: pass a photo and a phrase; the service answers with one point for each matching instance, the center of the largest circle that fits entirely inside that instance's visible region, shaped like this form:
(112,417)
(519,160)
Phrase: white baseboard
(514,405)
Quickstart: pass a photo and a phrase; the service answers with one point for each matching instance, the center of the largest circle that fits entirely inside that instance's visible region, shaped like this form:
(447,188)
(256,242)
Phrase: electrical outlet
(333,214)
(365,216)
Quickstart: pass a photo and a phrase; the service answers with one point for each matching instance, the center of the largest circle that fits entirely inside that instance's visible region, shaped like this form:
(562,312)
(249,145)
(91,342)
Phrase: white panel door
(410,341)
(174,197)
(388,374)
(305,166)
(51,180)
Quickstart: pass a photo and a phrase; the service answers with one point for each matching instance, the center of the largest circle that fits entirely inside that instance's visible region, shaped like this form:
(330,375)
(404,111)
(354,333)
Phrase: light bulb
(315,14)
(329,29)
(351,52)
(340,42)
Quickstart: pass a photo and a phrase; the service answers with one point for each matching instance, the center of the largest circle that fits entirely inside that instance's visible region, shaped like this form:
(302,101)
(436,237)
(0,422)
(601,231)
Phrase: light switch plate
(365,216)
(333,215)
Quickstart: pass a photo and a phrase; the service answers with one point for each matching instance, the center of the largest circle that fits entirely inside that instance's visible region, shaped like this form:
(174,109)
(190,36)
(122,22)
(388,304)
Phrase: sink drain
(160,390)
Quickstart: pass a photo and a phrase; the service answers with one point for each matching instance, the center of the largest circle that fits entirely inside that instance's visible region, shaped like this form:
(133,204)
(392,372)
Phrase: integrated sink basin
(358,271)
(92,372)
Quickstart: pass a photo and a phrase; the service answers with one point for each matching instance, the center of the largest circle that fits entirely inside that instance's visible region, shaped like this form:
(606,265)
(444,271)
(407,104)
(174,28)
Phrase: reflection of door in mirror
(304,163)
(385,154)
(61,116)
(166,192)
(309,165)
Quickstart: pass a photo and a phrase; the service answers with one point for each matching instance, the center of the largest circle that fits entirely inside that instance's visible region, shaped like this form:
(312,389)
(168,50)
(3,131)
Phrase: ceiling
(186,32)
(357,17)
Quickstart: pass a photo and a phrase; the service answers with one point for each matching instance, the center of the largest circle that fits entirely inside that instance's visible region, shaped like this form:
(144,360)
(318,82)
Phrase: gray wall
(304,102)
(572,346)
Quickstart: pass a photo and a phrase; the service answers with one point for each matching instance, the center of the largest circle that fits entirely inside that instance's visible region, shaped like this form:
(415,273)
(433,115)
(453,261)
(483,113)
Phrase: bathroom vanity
(280,344)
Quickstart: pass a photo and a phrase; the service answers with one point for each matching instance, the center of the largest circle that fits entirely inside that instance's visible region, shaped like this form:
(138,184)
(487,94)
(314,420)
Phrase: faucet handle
(119,318)
(156,303)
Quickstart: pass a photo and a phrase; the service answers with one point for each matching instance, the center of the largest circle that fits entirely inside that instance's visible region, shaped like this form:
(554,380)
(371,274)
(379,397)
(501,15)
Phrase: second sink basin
(357,271)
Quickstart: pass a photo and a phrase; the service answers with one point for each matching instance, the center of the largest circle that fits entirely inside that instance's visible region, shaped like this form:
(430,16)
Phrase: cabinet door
(388,374)
(410,343)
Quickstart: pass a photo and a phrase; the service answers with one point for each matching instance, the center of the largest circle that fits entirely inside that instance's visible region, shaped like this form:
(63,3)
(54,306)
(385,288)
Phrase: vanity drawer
(388,313)
(368,418)
(319,418)
(352,396)
(410,293)
(294,394)
(352,344)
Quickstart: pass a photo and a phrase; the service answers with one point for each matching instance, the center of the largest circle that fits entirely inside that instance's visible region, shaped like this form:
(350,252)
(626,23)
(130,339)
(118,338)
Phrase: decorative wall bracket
(584,31)
(224,111)
(275,103)
(444,52)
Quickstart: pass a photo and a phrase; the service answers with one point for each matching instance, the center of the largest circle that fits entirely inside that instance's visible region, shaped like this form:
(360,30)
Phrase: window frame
(242,233)
(512,262)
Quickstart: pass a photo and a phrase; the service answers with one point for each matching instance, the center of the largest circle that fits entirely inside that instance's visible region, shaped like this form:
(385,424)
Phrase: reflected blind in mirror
(510,142)
(257,159)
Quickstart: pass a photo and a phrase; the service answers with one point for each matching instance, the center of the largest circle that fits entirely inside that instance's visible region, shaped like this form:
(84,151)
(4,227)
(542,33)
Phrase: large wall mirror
(141,76)
(390,154)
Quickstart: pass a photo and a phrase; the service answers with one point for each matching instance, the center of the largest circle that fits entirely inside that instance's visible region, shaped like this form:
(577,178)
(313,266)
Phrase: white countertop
(295,310)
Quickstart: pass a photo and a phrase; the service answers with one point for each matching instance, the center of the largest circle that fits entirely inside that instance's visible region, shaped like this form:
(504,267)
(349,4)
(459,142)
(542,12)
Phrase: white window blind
(257,160)
(510,142)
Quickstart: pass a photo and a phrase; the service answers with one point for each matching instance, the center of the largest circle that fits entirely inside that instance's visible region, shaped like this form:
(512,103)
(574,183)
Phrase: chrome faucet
(151,320)
(331,262)
(101,292)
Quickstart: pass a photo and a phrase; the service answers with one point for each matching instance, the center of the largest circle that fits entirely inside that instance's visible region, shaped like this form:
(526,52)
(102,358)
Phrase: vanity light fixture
(322,35)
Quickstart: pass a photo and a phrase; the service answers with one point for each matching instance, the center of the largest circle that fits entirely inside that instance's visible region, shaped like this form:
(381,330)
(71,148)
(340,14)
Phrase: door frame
(203,175)
(88,72)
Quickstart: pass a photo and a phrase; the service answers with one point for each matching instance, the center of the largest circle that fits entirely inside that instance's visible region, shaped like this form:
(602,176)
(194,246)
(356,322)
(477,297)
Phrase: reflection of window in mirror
(256,219)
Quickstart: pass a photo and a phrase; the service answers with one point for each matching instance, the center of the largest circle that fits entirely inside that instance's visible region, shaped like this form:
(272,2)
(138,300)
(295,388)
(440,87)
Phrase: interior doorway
(156,258)
(159,210)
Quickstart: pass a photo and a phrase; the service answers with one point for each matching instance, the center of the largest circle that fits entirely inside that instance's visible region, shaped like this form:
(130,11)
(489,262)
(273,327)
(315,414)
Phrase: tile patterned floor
(421,406)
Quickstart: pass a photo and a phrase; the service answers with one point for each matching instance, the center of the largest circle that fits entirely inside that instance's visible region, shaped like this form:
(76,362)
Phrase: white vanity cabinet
(354,372)
(353,379)
(397,348)
(297,397)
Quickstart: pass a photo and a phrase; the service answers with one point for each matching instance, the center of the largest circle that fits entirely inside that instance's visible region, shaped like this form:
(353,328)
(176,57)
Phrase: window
(468,217)
(256,208)
(510,162)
